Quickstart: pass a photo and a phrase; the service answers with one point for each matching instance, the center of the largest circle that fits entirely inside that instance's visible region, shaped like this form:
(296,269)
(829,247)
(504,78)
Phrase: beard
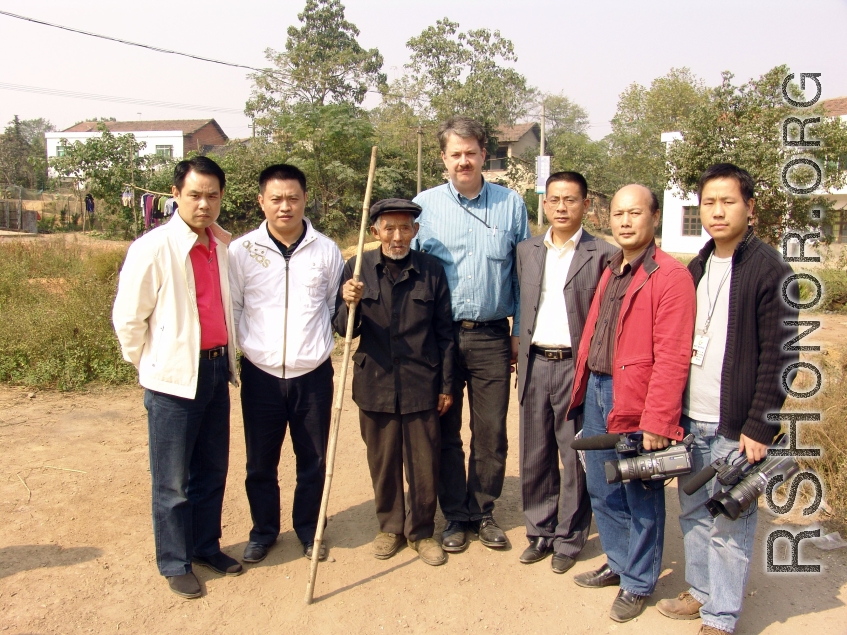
(397,257)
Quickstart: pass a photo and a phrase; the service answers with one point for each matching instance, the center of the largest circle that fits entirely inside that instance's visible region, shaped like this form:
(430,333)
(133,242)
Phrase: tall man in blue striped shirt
(473,227)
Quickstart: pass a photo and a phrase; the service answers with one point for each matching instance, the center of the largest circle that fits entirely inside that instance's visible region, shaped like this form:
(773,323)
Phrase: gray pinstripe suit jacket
(586,268)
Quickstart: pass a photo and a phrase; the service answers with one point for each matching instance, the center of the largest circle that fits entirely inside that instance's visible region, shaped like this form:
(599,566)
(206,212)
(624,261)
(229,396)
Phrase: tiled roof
(186,126)
(510,134)
(835,107)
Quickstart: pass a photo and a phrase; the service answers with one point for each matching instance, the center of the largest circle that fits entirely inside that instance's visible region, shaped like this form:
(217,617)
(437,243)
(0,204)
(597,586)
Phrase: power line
(144,46)
(55,92)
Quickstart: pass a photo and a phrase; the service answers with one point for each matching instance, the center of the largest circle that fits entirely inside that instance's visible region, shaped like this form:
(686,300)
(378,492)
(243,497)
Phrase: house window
(165,151)
(839,224)
(61,151)
(691,225)
(498,161)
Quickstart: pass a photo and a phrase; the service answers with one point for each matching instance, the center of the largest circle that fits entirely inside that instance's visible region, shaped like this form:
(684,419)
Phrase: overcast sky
(589,51)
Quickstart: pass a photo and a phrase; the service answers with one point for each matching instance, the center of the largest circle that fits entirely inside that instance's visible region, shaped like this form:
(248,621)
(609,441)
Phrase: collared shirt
(475,240)
(601,353)
(290,249)
(207,281)
(551,322)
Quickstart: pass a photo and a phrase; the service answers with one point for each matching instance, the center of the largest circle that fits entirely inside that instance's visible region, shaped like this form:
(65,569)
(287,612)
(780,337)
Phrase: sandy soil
(76,547)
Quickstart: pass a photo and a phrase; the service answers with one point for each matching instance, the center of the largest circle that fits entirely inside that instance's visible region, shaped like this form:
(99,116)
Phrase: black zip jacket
(751,378)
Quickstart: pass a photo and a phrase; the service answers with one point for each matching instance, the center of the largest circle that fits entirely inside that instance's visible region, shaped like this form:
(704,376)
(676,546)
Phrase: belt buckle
(468,324)
(553,353)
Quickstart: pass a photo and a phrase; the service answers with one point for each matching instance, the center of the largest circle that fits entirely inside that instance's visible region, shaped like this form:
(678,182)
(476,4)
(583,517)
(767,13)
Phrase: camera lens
(613,472)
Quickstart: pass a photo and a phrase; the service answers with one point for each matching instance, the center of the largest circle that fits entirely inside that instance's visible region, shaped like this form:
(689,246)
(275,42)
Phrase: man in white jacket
(173,318)
(284,278)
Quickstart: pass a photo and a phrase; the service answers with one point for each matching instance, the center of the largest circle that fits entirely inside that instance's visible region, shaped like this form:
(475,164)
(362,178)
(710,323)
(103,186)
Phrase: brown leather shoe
(429,551)
(386,545)
(682,607)
(711,630)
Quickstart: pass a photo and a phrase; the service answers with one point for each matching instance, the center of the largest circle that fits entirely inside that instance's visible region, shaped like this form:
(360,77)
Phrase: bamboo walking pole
(339,391)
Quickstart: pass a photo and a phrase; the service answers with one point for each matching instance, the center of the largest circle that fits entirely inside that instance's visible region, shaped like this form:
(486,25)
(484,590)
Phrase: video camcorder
(746,481)
(637,464)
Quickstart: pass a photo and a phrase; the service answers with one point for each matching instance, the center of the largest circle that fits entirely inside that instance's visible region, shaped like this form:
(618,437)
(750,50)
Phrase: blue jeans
(718,550)
(630,517)
(189,459)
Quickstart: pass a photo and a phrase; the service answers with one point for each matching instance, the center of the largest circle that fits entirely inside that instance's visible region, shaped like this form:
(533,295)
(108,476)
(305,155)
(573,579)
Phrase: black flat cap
(398,205)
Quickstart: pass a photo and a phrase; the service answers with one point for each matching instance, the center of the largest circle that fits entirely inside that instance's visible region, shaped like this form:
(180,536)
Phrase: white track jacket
(155,313)
(283,310)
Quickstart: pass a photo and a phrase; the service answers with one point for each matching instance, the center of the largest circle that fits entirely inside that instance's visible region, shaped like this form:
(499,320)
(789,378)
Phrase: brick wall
(208,135)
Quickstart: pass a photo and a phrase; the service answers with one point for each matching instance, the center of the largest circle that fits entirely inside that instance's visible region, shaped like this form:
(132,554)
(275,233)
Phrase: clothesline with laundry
(156,206)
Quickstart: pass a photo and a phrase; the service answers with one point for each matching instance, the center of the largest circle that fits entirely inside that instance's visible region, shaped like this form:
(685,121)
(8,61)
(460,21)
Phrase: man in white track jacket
(284,277)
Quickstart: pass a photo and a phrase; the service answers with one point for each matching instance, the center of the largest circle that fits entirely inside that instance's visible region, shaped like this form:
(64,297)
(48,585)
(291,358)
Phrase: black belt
(470,324)
(552,353)
(213,353)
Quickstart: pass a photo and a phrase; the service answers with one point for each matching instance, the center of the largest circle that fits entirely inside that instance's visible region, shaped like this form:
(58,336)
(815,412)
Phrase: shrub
(55,307)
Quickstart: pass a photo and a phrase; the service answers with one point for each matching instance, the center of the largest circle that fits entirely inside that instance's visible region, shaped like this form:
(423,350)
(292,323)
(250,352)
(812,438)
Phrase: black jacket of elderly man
(403,363)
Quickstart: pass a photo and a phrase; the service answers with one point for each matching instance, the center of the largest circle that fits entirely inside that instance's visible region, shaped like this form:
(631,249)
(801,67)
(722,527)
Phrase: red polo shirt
(207,282)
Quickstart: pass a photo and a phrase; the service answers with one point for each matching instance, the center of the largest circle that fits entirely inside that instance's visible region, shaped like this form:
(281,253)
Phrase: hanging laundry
(126,197)
(170,207)
(89,203)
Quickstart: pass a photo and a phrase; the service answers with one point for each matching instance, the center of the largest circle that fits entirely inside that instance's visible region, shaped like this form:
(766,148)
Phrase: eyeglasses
(569,201)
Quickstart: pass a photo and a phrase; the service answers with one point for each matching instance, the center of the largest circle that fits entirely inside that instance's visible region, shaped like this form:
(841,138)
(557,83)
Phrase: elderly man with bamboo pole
(403,373)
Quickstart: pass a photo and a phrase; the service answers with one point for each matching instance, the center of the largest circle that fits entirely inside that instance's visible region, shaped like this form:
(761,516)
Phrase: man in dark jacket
(402,375)
(734,382)
(629,376)
(558,273)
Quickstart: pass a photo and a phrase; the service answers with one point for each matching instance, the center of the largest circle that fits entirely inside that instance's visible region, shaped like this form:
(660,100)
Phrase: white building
(171,138)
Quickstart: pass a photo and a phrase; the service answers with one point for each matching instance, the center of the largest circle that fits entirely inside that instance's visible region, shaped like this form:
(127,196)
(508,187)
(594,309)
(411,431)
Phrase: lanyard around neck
(485,204)
(712,306)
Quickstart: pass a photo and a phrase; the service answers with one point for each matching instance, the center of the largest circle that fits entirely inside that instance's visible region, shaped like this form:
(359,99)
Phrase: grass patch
(55,310)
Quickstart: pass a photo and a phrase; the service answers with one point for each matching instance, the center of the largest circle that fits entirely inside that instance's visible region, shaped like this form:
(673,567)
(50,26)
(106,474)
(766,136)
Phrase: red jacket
(652,348)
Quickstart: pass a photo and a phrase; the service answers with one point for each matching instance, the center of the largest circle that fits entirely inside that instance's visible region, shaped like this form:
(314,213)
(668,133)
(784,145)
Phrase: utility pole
(541,154)
(420,156)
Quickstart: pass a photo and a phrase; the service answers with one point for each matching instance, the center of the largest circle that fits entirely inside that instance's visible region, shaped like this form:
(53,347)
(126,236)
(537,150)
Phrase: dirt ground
(76,547)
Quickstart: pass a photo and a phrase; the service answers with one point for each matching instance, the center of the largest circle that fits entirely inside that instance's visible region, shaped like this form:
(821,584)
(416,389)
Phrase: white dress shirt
(551,322)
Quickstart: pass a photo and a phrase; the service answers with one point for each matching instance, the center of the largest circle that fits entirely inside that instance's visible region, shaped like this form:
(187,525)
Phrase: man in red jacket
(629,376)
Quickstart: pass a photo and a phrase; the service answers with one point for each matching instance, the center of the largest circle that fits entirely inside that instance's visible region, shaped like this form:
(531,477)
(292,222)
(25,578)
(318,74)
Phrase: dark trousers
(555,506)
(270,405)
(395,441)
(630,517)
(483,365)
(189,459)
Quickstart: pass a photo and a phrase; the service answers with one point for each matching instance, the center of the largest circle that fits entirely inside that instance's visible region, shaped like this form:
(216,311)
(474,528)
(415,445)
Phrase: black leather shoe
(490,534)
(627,606)
(454,538)
(309,549)
(255,552)
(561,563)
(539,548)
(220,563)
(603,576)
(185,585)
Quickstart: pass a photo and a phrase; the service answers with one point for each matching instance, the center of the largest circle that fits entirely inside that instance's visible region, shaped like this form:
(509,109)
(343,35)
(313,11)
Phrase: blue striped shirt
(476,241)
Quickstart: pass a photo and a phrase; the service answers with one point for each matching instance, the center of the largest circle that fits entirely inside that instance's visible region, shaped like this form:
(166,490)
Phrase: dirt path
(76,555)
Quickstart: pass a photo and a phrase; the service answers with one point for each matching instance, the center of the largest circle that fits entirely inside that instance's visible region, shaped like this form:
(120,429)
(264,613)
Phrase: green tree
(464,72)
(636,152)
(570,146)
(322,64)
(23,154)
(106,164)
(743,125)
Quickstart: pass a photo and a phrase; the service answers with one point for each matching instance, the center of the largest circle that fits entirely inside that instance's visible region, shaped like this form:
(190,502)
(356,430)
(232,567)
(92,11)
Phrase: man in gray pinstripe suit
(558,274)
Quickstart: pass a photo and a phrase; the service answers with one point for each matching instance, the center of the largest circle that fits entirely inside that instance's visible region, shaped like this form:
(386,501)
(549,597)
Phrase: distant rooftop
(186,126)
(835,107)
(511,134)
